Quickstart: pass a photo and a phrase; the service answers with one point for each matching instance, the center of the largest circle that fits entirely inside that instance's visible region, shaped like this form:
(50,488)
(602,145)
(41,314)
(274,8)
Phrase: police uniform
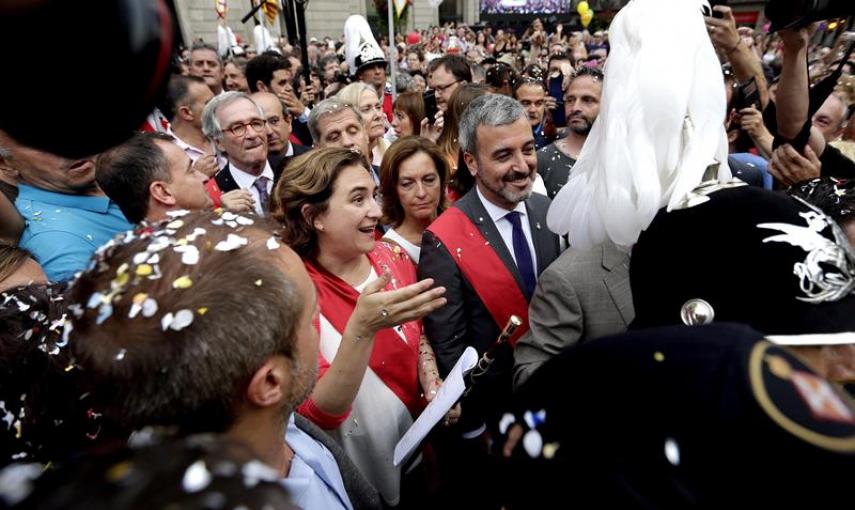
(681,417)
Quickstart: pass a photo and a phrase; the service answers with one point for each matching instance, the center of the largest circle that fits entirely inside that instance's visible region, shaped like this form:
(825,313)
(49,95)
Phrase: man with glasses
(279,147)
(445,74)
(237,126)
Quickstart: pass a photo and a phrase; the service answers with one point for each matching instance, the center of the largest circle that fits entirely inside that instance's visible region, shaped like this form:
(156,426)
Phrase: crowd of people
(251,300)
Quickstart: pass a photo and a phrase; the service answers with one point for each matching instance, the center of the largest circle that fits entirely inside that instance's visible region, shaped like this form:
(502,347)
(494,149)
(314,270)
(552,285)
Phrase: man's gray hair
(211,124)
(487,110)
(328,107)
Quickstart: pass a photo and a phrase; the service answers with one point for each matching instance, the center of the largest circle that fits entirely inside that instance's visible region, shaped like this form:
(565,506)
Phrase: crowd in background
(274,257)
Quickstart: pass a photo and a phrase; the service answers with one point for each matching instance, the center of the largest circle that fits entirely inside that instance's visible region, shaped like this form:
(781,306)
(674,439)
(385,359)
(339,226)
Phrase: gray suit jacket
(584,294)
(362,494)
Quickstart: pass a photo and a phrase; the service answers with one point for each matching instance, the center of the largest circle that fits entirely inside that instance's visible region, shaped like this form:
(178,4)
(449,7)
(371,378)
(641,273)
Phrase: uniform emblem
(821,398)
(799,401)
(817,283)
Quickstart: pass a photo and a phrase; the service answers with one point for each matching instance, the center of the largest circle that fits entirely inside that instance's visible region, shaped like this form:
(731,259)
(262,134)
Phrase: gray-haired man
(238,127)
(487,251)
(334,123)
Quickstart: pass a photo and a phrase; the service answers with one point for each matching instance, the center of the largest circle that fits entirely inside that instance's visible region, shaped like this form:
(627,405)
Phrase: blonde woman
(364,98)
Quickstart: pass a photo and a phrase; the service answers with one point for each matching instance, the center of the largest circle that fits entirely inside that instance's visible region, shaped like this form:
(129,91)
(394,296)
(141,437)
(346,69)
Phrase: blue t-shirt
(314,480)
(63,231)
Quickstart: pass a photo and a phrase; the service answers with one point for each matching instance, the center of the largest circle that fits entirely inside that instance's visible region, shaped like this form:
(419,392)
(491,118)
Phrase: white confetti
(177,321)
(672,452)
(121,354)
(197,477)
(506,421)
(158,244)
(94,299)
(166,320)
(243,220)
(198,231)
(189,254)
(149,307)
(183,318)
(272,244)
(533,443)
(104,313)
(255,471)
(177,213)
(232,242)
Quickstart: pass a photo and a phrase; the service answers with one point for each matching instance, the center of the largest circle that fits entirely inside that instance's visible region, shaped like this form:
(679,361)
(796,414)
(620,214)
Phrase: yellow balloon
(582,8)
(587,16)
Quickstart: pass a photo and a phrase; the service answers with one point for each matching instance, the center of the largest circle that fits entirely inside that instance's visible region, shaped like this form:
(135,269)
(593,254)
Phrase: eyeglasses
(443,88)
(239,129)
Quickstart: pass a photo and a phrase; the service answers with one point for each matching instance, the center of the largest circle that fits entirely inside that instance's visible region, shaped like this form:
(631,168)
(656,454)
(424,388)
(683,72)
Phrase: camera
(800,13)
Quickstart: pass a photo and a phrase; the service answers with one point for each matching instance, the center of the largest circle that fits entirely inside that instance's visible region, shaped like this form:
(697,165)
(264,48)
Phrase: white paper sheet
(447,395)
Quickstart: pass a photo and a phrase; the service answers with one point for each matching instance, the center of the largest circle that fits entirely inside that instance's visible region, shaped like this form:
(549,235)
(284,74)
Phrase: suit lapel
(541,236)
(471,205)
(225,180)
(617,282)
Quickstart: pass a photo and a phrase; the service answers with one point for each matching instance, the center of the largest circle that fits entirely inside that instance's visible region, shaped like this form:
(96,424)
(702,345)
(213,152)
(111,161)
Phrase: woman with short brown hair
(376,366)
(413,179)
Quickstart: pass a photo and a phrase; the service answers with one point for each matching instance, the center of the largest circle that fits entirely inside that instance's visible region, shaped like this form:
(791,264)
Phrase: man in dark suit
(238,128)
(280,150)
(486,251)
(499,150)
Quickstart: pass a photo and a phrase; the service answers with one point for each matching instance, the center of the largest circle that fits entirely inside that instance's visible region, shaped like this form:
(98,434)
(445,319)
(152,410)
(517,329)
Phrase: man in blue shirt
(67,216)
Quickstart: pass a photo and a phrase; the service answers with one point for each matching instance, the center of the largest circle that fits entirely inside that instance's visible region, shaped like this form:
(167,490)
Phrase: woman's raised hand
(377,309)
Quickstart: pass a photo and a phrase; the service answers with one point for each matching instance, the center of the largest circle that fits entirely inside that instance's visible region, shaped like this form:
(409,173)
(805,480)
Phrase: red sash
(483,269)
(393,360)
(214,191)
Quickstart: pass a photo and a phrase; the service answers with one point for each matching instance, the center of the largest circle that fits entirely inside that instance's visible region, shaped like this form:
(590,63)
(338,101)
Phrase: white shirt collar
(246,179)
(496,213)
(290,151)
(186,146)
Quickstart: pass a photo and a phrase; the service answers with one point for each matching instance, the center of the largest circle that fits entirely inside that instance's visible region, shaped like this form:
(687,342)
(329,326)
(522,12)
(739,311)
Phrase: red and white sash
(484,270)
(392,359)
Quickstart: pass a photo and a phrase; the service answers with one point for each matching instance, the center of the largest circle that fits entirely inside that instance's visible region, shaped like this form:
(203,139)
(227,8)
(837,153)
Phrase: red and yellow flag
(222,7)
(271,10)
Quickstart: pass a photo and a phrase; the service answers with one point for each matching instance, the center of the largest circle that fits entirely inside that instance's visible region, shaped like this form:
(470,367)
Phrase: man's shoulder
(300,149)
(575,259)
(539,202)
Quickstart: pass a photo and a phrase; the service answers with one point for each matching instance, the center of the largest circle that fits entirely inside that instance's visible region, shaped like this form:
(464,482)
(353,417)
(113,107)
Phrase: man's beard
(506,192)
(581,129)
(304,379)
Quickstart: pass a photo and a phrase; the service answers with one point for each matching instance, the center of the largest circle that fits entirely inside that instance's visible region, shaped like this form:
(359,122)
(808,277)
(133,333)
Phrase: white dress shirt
(245,180)
(506,229)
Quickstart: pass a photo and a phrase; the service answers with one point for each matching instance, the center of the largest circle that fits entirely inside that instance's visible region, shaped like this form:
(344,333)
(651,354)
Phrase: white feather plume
(661,123)
(356,32)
